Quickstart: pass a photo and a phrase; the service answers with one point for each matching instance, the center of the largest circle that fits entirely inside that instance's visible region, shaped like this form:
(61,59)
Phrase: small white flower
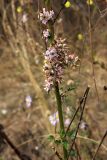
(46,33)
(67,122)
(4,111)
(24,18)
(28,101)
(51,53)
(36,148)
(54,119)
(51,14)
(83,125)
(48,85)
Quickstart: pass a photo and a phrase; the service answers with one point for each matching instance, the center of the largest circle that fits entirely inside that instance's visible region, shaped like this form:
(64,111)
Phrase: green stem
(60,113)
(57,92)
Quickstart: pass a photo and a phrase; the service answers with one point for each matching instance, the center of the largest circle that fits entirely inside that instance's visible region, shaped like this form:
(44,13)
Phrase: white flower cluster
(46,16)
(56,55)
(46,34)
(56,58)
(51,54)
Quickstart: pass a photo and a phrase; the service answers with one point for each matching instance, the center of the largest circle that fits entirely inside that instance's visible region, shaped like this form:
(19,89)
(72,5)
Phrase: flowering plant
(56,58)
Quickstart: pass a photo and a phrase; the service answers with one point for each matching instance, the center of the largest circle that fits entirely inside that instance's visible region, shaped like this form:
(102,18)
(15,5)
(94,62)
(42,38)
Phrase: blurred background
(24,105)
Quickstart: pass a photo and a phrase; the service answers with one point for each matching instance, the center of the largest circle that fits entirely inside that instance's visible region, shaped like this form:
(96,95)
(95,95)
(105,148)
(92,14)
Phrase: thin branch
(78,136)
(57,154)
(91,51)
(92,140)
(81,101)
(79,156)
(99,145)
(59,11)
(20,155)
(72,120)
(81,116)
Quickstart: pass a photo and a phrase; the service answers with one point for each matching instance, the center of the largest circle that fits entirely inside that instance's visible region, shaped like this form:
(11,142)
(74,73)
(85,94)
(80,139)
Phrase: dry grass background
(21,74)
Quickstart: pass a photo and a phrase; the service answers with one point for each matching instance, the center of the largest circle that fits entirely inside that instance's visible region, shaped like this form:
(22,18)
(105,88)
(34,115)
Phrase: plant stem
(81,116)
(94,157)
(59,105)
(60,113)
(80,103)
(56,86)
(5,138)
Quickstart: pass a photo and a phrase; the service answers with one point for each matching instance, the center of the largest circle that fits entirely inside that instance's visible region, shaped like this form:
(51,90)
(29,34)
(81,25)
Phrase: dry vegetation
(21,74)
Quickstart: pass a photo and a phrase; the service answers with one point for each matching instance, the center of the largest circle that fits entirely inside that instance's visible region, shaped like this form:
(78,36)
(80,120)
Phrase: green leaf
(71,134)
(51,138)
(71,87)
(62,133)
(73,153)
(65,144)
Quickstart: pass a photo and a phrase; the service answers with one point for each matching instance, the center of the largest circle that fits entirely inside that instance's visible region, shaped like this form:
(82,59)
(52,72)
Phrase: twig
(99,145)
(81,101)
(83,107)
(17,152)
(59,11)
(56,153)
(76,147)
(92,140)
(77,151)
(91,51)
